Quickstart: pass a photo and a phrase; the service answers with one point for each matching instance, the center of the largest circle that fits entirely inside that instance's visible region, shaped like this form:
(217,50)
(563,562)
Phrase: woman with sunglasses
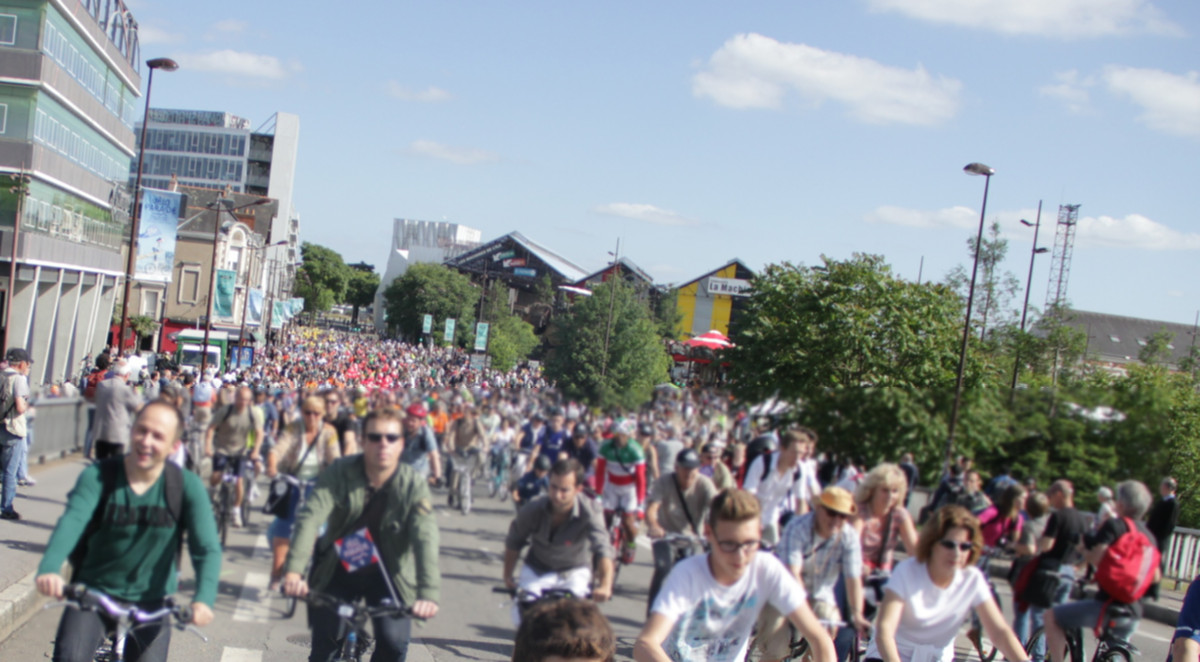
(928,596)
(306,447)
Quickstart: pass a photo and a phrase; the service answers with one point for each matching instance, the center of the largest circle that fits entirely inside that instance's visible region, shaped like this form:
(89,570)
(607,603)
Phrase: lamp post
(1033,253)
(246,297)
(219,204)
(986,172)
(166,64)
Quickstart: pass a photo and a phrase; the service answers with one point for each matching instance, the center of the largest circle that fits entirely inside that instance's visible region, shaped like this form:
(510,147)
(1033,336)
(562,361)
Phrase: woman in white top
(928,596)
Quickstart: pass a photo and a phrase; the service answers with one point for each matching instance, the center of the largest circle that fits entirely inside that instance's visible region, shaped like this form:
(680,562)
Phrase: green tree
(431,289)
(995,292)
(143,326)
(636,360)
(664,303)
(510,340)
(322,279)
(1157,350)
(360,290)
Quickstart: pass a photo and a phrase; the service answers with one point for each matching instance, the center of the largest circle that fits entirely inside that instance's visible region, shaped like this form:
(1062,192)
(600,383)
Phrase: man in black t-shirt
(1132,501)
(1064,530)
(343,421)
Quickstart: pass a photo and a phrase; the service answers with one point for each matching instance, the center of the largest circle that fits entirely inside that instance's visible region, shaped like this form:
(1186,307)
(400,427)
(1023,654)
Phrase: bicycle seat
(1119,617)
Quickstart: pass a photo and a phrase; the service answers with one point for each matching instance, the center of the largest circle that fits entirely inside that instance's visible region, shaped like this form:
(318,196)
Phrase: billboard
(159,219)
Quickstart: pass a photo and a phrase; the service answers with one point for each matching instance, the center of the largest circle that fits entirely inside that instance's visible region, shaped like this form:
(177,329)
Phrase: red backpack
(1128,566)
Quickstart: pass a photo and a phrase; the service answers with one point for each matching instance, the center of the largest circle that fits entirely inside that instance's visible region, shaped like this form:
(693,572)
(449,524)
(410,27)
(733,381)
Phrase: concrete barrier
(59,428)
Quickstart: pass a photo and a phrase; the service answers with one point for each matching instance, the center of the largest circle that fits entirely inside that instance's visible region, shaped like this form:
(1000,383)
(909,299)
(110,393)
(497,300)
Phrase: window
(150,302)
(8,29)
(189,284)
(3,117)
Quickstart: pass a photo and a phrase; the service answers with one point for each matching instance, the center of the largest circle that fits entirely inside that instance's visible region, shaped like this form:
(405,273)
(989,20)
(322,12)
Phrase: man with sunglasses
(817,548)
(380,525)
(342,420)
(709,604)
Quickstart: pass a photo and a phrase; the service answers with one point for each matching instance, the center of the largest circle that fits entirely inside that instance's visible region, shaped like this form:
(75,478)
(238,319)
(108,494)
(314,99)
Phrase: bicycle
(222,506)
(682,546)
(460,492)
(616,534)
(525,600)
(353,641)
(498,477)
(974,634)
(1109,647)
(126,618)
(798,648)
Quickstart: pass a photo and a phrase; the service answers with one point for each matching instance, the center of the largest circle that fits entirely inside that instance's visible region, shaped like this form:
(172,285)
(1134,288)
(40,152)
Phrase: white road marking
(1152,637)
(241,655)
(253,605)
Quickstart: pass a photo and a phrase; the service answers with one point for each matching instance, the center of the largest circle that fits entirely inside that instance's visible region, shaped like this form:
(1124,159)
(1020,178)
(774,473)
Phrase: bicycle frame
(127,618)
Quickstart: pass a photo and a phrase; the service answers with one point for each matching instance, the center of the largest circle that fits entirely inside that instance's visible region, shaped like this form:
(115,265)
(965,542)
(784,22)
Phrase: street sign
(449,335)
(427,324)
(481,335)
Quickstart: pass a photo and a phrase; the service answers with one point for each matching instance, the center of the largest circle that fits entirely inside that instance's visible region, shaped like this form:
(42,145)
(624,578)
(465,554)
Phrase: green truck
(188,354)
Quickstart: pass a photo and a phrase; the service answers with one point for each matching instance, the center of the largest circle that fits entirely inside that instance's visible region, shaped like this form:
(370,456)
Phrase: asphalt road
(474,623)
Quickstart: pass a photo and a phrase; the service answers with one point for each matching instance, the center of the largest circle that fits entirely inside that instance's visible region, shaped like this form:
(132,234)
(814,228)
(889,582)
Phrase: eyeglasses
(732,546)
(834,514)
(375,437)
(960,546)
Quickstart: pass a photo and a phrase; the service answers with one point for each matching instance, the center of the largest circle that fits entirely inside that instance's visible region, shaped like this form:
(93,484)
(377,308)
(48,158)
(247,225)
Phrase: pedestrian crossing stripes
(254,603)
(241,655)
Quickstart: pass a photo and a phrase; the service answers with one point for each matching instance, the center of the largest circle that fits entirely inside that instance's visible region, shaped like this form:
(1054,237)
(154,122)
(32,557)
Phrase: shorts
(1085,614)
(235,462)
(621,497)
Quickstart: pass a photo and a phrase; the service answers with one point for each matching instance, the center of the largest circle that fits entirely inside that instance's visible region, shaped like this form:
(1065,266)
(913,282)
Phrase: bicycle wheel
(464,492)
(1113,655)
(223,509)
(1036,637)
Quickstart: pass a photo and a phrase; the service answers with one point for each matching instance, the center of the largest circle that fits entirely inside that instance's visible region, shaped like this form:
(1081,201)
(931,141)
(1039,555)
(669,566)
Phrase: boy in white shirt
(708,604)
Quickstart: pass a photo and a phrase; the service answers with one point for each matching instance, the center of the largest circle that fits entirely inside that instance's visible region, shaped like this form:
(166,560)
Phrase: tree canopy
(431,289)
(322,279)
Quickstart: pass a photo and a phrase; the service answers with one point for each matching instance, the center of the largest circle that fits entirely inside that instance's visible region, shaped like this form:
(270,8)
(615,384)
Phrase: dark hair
(170,406)
(569,466)
(568,628)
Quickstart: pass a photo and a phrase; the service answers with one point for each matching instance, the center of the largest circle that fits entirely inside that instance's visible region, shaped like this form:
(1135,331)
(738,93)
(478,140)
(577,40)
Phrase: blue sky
(696,132)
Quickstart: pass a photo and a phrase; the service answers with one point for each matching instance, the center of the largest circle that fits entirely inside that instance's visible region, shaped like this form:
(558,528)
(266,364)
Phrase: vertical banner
(223,301)
(255,315)
(427,324)
(158,222)
(278,314)
(297,306)
(481,334)
(449,335)
(243,357)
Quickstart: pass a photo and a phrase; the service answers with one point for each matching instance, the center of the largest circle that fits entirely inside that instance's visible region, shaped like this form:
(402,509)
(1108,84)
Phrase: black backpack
(110,471)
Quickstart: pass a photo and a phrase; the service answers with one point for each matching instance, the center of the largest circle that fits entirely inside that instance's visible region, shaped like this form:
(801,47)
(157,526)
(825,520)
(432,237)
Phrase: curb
(17,604)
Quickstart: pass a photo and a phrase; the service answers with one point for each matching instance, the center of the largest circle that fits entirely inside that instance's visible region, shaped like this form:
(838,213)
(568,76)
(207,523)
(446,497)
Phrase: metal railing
(58,428)
(1182,560)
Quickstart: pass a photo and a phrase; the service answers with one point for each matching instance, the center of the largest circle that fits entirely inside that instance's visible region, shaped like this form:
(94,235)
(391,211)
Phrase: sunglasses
(312,412)
(375,437)
(731,546)
(835,514)
(960,546)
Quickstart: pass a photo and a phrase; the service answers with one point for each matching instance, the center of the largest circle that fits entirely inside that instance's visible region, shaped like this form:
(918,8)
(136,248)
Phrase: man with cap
(14,398)
(678,504)
(817,547)
(420,444)
(583,449)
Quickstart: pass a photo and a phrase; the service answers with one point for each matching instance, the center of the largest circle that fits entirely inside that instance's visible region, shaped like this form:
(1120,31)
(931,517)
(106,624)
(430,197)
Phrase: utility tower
(1060,265)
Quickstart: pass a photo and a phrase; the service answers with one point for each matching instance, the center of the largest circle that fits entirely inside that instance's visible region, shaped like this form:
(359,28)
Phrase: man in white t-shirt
(775,478)
(708,604)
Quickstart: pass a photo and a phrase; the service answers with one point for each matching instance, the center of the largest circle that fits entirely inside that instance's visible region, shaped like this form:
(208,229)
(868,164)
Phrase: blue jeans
(10,457)
(23,461)
(1025,622)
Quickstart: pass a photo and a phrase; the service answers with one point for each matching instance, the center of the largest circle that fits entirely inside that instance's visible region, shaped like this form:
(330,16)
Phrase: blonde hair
(884,475)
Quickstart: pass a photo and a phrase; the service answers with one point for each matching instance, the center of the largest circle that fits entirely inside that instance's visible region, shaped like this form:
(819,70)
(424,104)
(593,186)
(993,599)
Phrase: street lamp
(166,64)
(217,205)
(986,172)
(1033,253)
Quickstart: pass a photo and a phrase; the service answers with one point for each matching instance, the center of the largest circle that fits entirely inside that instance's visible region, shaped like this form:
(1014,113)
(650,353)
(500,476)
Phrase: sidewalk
(22,542)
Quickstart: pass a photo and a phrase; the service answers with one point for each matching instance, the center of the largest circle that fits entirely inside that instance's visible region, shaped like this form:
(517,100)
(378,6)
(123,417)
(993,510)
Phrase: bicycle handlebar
(90,599)
(349,610)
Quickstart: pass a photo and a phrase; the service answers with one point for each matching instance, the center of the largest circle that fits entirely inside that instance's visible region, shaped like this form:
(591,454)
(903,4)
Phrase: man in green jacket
(130,552)
(380,526)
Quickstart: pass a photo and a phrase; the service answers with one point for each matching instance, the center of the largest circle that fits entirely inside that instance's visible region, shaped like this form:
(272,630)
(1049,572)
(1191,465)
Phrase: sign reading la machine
(156,236)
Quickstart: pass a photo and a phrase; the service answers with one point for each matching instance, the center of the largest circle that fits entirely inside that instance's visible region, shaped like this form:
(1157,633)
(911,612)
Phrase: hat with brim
(838,500)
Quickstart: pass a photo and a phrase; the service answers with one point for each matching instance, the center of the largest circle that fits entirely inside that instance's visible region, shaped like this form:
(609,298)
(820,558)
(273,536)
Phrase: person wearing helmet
(621,481)
(420,444)
(533,484)
(583,448)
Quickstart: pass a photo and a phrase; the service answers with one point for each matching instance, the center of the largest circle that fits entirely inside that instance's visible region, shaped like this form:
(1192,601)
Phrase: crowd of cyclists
(762,545)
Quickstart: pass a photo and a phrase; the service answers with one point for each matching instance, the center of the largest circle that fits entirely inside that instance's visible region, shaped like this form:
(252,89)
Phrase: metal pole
(612,303)
(1037,225)
(212,285)
(21,191)
(962,353)
(135,220)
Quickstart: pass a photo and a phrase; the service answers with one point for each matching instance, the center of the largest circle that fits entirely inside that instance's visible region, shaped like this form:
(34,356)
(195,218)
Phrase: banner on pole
(223,301)
(427,324)
(158,221)
(255,313)
(449,335)
(278,314)
(481,335)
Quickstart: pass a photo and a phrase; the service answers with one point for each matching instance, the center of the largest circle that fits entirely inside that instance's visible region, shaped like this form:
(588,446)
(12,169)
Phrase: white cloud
(230,25)
(252,65)
(1134,231)
(1171,103)
(953,217)
(149,34)
(457,155)
(1071,89)
(753,71)
(646,214)
(1047,18)
(430,94)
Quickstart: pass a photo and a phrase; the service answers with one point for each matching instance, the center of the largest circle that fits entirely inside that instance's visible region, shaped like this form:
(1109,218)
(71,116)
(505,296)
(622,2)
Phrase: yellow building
(713,300)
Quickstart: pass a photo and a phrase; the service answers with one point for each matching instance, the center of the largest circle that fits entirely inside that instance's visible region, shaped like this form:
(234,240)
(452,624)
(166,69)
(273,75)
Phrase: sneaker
(236,520)
(10,514)
(26,482)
